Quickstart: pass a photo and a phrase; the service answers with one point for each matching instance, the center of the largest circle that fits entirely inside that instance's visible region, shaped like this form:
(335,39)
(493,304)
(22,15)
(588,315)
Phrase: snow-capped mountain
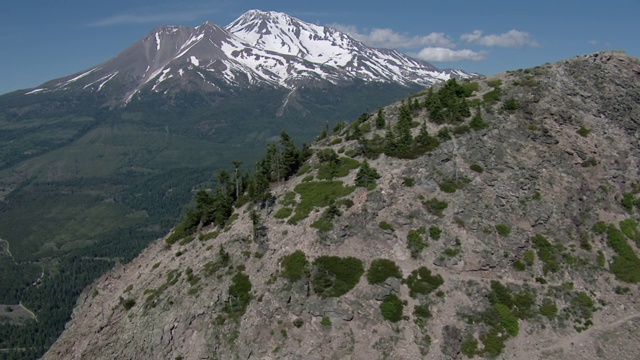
(258,48)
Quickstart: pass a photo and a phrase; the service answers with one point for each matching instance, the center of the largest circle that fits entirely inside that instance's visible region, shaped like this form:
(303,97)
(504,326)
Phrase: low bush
(127,304)
(391,308)
(421,281)
(415,243)
(385,226)
(626,265)
(583,131)
(239,295)
(547,253)
(435,206)
(469,346)
(295,266)
(435,232)
(548,308)
(503,229)
(382,269)
(334,276)
(477,168)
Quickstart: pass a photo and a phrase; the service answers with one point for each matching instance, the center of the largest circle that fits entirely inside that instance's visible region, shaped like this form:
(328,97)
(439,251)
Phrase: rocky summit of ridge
(258,49)
(509,230)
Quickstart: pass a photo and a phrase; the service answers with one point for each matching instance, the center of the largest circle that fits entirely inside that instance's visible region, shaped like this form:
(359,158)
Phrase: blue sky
(41,39)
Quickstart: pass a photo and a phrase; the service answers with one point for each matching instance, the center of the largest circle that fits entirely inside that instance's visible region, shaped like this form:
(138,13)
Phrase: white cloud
(512,38)
(441,54)
(389,39)
(144,16)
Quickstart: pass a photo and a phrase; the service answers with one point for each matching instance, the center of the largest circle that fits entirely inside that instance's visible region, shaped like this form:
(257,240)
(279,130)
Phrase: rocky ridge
(560,156)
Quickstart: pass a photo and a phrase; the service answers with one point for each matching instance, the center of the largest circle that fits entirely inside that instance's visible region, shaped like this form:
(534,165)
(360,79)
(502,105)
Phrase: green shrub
(547,253)
(469,346)
(590,162)
(239,295)
(415,243)
(626,265)
(492,96)
(448,186)
(408,182)
(519,265)
(600,260)
(524,304)
(367,176)
(325,221)
(494,83)
(622,290)
(500,294)
(435,206)
(511,104)
(600,227)
(548,308)
(444,134)
(583,131)
(326,321)
(630,228)
(422,311)
(435,232)
(477,168)
(470,88)
(461,129)
(334,276)
(127,304)
(382,269)
(298,322)
(528,257)
(582,305)
(493,343)
(295,266)
(507,320)
(450,252)
(422,282)
(391,308)
(629,201)
(385,226)
(503,229)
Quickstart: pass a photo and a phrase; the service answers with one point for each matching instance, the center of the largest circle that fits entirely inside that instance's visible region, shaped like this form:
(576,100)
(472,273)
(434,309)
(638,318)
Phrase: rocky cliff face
(507,236)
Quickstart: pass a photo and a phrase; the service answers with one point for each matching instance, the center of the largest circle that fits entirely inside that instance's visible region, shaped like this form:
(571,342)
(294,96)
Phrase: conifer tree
(380,120)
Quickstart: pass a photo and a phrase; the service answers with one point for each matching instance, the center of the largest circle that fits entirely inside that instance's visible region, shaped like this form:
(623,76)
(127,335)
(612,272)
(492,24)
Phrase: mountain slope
(258,49)
(512,230)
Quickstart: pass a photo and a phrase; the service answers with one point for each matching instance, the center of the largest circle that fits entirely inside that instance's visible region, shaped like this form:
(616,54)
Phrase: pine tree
(380,121)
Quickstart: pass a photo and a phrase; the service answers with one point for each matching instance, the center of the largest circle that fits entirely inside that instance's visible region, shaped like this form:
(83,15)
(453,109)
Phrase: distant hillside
(494,217)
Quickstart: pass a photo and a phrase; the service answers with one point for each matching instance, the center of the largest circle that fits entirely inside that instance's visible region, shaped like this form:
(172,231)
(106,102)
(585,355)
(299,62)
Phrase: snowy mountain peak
(258,48)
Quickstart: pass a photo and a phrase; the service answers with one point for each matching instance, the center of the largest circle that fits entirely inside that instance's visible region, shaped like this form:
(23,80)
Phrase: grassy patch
(317,194)
(283,213)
